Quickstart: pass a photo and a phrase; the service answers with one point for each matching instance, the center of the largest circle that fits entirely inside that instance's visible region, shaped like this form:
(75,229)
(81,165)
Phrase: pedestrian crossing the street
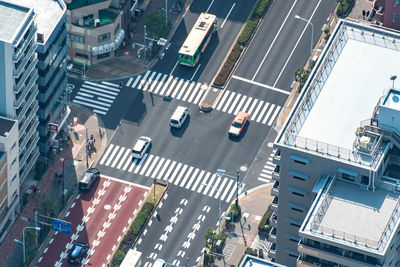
(269,167)
(177,173)
(97,96)
(230,102)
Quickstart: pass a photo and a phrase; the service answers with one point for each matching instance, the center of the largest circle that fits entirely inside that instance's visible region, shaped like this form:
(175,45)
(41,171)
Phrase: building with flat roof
(18,87)
(337,175)
(252,261)
(9,175)
(387,12)
(96,29)
(51,35)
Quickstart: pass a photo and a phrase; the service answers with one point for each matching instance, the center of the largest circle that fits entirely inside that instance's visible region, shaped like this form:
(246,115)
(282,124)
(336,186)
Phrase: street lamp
(393,78)
(23,238)
(312,36)
(219,206)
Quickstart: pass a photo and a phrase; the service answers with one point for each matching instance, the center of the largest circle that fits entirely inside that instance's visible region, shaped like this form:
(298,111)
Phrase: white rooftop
(351,92)
(393,100)
(48,13)
(12,17)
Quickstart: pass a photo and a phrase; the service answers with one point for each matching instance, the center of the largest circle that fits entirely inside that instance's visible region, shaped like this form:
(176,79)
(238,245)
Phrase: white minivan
(179,117)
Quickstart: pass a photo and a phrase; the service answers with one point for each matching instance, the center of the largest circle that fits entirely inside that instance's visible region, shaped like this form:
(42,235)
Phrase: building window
(299,160)
(348,177)
(81,55)
(13,162)
(104,37)
(395,17)
(298,178)
(15,177)
(297,191)
(364,179)
(116,30)
(299,175)
(13,145)
(75,38)
(103,55)
(396,3)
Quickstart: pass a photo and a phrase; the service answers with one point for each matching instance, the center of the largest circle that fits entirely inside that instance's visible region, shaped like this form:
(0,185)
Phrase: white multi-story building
(9,175)
(337,189)
(18,76)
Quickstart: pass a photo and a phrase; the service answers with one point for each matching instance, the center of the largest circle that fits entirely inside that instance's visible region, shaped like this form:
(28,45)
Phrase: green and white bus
(197,40)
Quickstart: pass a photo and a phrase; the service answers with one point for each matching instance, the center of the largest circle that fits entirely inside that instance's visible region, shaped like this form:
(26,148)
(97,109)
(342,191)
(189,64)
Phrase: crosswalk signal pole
(87,149)
(237,188)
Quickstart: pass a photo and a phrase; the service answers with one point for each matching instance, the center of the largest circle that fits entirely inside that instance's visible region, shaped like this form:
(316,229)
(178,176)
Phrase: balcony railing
(273,220)
(18,86)
(17,55)
(28,56)
(34,157)
(32,115)
(33,96)
(26,135)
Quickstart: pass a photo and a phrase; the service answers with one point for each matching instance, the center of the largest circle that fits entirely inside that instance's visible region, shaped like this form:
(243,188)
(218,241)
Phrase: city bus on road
(197,40)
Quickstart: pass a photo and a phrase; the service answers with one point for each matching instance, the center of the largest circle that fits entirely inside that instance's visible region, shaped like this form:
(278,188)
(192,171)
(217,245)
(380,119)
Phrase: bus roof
(197,34)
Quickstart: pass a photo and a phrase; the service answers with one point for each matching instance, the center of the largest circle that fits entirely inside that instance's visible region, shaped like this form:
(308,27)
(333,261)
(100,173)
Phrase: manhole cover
(270,144)
(107,207)
(243,168)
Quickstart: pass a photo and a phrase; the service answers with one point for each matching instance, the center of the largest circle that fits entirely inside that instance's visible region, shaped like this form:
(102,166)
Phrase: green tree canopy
(155,24)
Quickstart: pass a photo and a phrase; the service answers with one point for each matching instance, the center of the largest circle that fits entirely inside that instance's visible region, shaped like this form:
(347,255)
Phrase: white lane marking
(194,74)
(198,180)
(136,81)
(294,48)
(223,23)
(143,81)
(99,112)
(201,187)
(177,88)
(247,104)
(110,84)
(264,180)
(172,86)
(226,189)
(96,93)
(231,194)
(99,90)
(149,81)
(160,84)
(176,64)
(254,115)
(118,156)
(101,86)
(222,100)
(175,172)
(252,106)
(201,92)
(182,90)
(84,94)
(176,182)
(112,155)
(171,167)
(215,186)
(133,164)
(166,84)
(261,85)
(209,184)
(105,100)
(159,165)
(106,154)
(276,37)
(146,164)
(194,176)
(92,101)
(155,82)
(262,112)
(240,104)
(129,82)
(238,96)
(89,105)
(274,115)
(228,102)
(209,6)
(221,187)
(152,166)
(268,113)
(186,176)
(188,91)
(194,92)
(141,162)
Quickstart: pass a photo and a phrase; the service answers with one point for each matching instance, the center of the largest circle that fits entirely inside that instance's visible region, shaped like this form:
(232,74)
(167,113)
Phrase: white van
(179,117)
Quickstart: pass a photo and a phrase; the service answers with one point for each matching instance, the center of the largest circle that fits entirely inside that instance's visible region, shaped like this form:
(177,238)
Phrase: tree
(47,206)
(300,76)
(155,24)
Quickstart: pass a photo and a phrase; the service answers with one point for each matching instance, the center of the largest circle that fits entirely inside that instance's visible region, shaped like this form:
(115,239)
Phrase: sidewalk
(245,233)
(11,252)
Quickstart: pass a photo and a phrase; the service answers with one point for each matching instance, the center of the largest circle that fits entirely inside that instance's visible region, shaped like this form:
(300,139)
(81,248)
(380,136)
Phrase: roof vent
(365,142)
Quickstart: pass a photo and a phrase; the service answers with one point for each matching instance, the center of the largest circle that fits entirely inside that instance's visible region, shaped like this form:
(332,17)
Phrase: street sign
(61,226)
(162,41)
(53,127)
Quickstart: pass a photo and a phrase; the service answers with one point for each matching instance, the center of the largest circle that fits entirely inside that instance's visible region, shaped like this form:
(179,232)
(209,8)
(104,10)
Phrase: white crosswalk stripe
(97,96)
(266,173)
(231,102)
(177,173)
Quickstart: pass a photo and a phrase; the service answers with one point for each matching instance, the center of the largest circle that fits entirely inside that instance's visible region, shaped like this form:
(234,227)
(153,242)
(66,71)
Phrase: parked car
(86,182)
(78,252)
(238,124)
(159,263)
(142,145)
(179,116)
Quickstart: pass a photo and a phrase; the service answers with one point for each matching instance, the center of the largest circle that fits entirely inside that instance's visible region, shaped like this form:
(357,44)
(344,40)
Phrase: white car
(159,263)
(142,145)
(178,118)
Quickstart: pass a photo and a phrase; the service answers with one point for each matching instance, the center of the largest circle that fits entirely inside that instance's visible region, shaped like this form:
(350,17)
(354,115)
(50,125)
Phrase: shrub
(148,207)
(251,251)
(208,259)
(218,248)
(237,211)
(155,24)
(138,223)
(228,66)
(118,258)
(344,7)
(263,226)
(247,32)
(260,8)
(260,253)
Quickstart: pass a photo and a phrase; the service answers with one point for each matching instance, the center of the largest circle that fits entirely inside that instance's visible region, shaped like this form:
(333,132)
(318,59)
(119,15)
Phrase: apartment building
(337,175)
(18,76)
(388,12)
(9,175)
(96,29)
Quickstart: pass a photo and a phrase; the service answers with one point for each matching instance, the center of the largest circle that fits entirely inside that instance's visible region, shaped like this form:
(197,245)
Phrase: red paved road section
(108,208)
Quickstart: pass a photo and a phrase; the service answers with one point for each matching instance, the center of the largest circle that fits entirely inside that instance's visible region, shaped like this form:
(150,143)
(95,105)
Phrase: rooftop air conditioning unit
(97,22)
(365,141)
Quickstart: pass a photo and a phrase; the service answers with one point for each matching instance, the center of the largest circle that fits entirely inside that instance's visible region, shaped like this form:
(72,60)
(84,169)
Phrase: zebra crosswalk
(97,96)
(269,167)
(177,173)
(190,91)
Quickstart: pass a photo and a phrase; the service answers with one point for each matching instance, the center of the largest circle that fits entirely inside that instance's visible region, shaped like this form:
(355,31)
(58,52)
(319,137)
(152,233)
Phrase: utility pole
(87,149)
(166,13)
(154,190)
(144,46)
(237,188)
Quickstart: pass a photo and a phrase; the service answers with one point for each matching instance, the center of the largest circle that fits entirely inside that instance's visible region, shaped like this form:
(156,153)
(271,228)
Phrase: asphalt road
(190,156)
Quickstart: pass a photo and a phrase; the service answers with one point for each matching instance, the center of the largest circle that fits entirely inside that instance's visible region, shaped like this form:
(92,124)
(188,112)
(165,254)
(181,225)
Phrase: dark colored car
(78,252)
(86,182)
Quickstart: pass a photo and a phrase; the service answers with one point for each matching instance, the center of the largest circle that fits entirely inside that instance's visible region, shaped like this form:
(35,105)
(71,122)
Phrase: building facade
(388,12)
(336,192)
(18,77)
(9,175)
(96,29)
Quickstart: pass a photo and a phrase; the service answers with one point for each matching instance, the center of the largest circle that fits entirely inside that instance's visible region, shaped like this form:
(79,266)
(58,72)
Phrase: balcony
(274,204)
(32,162)
(19,52)
(27,134)
(272,251)
(276,173)
(272,235)
(273,220)
(19,85)
(30,146)
(275,189)
(28,56)
(301,263)
(32,115)
(277,156)
(32,97)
